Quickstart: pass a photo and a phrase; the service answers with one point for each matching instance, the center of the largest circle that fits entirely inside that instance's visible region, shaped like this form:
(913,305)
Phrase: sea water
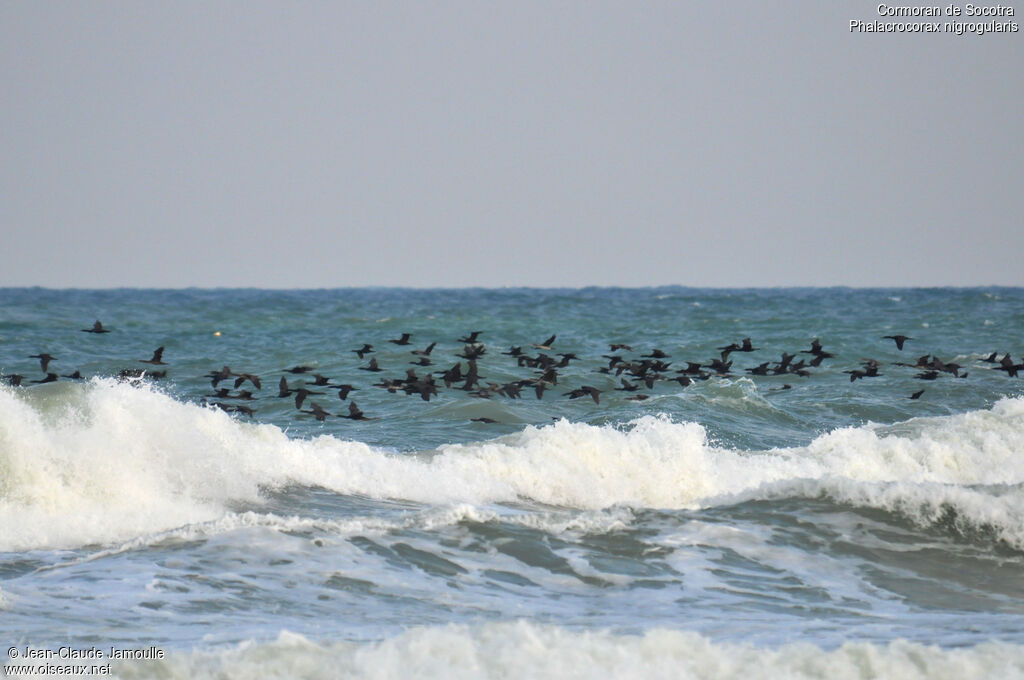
(740,526)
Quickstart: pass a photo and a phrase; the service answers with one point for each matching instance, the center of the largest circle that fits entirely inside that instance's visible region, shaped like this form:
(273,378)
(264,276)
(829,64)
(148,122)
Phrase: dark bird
(223,374)
(77,375)
(627,387)
(473,351)
(616,346)
(584,391)
(245,410)
(991,358)
(50,377)
(514,351)
(483,420)
(365,349)
(372,366)
(815,347)
(422,361)
(157,360)
(320,380)
(547,344)
(761,369)
(916,395)
(404,340)
(299,369)
(343,391)
(638,397)
(354,413)
(44,360)
(655,354)
(424,352)
(899,339)
(452,375)
(471,338)
(96,328)
(283,389)
(318,412)
(300,396)
(220,393)
(254,379)
(14,380)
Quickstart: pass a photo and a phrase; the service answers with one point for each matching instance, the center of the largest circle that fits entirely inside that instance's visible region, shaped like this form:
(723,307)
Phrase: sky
(451,144)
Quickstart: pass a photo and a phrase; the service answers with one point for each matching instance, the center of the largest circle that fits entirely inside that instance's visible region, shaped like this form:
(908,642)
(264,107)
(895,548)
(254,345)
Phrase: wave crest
(108,462)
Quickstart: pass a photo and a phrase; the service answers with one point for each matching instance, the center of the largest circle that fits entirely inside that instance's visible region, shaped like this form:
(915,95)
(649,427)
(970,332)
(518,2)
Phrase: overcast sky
(300,144)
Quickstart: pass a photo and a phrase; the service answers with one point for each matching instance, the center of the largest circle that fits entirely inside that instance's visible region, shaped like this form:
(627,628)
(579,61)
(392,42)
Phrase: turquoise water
(735,509)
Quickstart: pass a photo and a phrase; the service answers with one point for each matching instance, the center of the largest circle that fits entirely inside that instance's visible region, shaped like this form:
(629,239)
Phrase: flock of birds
(633,373)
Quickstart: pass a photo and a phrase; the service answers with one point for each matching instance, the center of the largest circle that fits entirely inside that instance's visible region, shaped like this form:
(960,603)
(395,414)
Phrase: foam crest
(525,650)
(106,462)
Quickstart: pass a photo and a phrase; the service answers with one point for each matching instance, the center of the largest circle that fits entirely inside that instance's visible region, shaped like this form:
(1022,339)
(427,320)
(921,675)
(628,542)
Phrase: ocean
(735,521)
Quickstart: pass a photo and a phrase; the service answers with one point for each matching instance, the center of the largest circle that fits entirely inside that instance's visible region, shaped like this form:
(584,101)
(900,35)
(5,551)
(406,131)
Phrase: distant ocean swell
(525,650)
(105,463)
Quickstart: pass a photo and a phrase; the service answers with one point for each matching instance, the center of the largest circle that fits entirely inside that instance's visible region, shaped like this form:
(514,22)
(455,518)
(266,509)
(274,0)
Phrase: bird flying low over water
(157,360)
(404,340)
(354,413)
(44,360)
(585,391)
(899,339)
(365,349)
(547,344)
(96,328)
(318,412)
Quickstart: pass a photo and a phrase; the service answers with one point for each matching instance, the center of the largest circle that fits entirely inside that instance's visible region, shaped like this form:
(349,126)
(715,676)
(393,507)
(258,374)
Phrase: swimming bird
(44,360)
(157,359)
(96,328)
(899,339)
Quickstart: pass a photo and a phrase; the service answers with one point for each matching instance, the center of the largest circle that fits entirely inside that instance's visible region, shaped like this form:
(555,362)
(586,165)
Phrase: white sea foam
(525,650)
(111,463)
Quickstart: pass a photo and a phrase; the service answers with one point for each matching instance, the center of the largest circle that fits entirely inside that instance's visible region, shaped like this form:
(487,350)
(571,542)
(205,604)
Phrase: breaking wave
(103,463)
